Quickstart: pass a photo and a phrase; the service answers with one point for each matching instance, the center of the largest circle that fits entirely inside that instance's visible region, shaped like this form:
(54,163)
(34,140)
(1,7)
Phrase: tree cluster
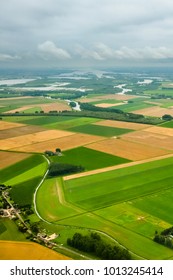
(60,169)
(93,244)
(165,237)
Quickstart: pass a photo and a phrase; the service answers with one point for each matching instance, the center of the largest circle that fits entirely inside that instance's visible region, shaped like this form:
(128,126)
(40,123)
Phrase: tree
(58,150)
(167,117)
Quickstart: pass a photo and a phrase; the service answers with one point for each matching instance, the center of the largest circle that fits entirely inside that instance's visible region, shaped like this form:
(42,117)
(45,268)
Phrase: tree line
(94,245)
(60,169)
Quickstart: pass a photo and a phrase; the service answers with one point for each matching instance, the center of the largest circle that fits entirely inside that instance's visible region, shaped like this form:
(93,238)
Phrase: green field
(99,130)
(44,120)
(22,193)
(22,168)
(24,177)
(133,203)
(167,124)
(88,158)
(52,122)
(7,105)
(133,105)
(101,190)
(10,231)
(159,91)
(51,195)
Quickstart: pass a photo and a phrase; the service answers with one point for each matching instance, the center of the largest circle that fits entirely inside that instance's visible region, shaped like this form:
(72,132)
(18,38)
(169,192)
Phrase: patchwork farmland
(123,191)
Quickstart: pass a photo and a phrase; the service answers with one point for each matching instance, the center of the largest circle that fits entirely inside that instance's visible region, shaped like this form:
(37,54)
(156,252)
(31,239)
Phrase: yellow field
(64,143)
(108,105)
(154,111)
(28,139)
(121,124)
(58,106)
(127,149)
(160,130)
(152,139)
(12,250)
(18,131)
(8,125)
(9,158)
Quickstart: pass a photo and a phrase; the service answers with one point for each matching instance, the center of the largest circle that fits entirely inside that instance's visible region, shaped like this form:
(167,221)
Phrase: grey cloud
(49,49)
(7,57)
(127,29)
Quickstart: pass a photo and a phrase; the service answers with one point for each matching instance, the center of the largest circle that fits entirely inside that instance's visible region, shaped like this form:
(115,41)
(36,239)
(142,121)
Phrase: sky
(86,33)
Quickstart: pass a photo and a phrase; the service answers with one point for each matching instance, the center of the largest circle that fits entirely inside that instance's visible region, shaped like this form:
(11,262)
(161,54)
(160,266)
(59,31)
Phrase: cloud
(49,49)
(7,57)
(104,52)
(106,30)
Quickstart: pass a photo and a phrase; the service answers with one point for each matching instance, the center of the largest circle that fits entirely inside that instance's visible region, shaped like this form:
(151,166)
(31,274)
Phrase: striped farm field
(23,130)
(64,143)
(17,169)
(151,139)
(24,177)
(32,138)
(127,149)
(11,250)
(104,189)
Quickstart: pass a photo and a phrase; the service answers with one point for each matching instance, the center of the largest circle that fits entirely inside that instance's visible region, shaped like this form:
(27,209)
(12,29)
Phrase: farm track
(111,168)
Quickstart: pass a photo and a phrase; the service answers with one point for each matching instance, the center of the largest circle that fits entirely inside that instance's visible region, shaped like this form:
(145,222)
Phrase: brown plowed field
(9,158)
(160,130)
(154,111)
(58,106)
(64,143)
(23,130)
(8,125)
(28,139)
(127,149)
(13,250)
(152,139)
(120,124)
(106,169)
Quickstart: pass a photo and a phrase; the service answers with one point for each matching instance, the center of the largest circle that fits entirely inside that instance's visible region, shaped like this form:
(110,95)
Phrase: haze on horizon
(70,33)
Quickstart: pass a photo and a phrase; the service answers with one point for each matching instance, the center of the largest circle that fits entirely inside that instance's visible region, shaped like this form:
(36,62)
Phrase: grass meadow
(9,231)
(133,105)
(100,130)
(24,177)
(88,158)
(101,190)
(51,203)
(167,124)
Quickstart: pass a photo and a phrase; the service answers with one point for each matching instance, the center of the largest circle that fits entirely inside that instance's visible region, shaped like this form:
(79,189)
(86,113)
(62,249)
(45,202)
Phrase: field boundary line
(115,167)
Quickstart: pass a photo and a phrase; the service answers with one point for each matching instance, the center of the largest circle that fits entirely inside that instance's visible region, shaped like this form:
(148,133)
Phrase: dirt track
(97,171)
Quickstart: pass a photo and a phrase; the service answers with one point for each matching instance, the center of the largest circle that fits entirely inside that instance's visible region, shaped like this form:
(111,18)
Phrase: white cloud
(49,50)
(104,52)
(7,57)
